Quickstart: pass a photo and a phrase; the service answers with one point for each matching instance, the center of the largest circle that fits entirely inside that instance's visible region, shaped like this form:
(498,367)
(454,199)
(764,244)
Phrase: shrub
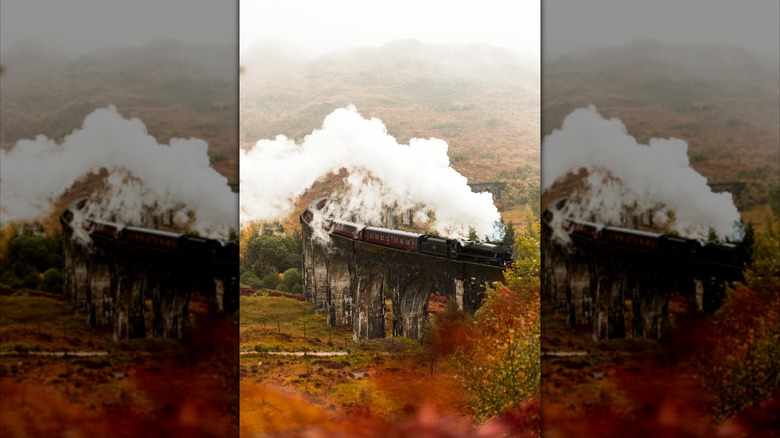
(292,280)
(270,281)
(52,281)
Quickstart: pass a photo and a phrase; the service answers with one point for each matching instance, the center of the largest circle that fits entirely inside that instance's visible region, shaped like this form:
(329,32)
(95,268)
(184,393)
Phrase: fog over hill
(481,99)
(724,101)
(177,89)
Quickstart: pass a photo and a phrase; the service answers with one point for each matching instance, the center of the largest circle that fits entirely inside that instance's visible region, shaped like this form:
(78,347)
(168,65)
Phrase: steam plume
(142,175)
(382,172)
(622,173)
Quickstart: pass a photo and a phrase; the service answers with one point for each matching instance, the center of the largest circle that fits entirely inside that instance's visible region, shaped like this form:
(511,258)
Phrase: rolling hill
(177,90)
(481,99)
(724,101)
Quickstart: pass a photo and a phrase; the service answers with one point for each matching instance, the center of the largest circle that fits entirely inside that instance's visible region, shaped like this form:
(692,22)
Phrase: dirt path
(55,353)
(300,353)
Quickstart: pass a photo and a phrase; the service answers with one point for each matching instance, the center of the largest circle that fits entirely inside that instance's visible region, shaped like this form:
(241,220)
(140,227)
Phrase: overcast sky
(326,25)
(84,25)
(751,24)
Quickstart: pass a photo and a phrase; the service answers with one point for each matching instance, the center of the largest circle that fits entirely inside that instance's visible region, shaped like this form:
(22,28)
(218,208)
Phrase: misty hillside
(723,100)
(481,99)
(176,89)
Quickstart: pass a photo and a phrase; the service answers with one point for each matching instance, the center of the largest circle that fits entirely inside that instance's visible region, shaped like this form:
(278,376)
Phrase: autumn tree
(741,362)
(502,371)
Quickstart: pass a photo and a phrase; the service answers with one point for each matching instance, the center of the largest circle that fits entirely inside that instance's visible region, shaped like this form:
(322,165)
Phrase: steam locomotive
(135,238)
(478,252)
(609,238)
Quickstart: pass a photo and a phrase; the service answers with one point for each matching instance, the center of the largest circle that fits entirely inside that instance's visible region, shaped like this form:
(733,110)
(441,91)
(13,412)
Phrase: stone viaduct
(109,273)
(623,289)
(350,280)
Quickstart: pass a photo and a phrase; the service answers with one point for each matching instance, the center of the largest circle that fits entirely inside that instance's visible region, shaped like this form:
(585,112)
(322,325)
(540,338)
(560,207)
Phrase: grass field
(382,381)
(138,387)
(620,383)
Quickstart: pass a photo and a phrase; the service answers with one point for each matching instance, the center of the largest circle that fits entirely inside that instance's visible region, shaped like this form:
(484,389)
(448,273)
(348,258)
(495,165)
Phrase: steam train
(130,237)
(609,238)
(479,252)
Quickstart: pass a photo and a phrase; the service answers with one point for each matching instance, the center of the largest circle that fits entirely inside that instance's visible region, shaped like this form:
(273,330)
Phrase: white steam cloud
(656,177)
(143,176)
(382,173)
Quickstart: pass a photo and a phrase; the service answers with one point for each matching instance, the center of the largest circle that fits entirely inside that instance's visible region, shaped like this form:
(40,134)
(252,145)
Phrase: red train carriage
(633,238)
(393,238)
(151,238)
(106,229)
(590,230)
(347,229)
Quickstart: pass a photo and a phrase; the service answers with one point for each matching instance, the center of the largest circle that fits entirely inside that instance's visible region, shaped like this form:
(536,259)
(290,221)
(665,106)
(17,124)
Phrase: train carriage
(635,238)
(105,229)
(163,240)
(347,229)
(393,238)
(590,230)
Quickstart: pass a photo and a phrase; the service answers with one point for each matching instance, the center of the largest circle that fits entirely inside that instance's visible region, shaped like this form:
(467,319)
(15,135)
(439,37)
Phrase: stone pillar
(368,320)
(339,282)
(307,263)
(609,313)
(230,293)
(171,306)
(129,306)
(320,289)
(101,290)
(376,311)
(208,287)
(68,287)
(713,293)
(458,284)
(555,278)
(579,300)
(473,294)
(360,311)
(651,304)
(219,294)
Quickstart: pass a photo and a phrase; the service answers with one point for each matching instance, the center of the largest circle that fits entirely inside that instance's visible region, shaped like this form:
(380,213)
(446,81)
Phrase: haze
(320,27)
(81,26)
(753,25)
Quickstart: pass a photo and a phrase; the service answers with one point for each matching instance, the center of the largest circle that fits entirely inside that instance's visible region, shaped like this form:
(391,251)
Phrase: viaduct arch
(593,278)
(110,270)
(349,280)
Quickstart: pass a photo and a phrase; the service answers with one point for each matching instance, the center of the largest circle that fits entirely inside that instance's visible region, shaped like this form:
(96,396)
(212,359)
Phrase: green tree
(292,281)
(509,233)
(773,196)
(51,281)
(249,278)
(271,247)
(28,251)
(270,281)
